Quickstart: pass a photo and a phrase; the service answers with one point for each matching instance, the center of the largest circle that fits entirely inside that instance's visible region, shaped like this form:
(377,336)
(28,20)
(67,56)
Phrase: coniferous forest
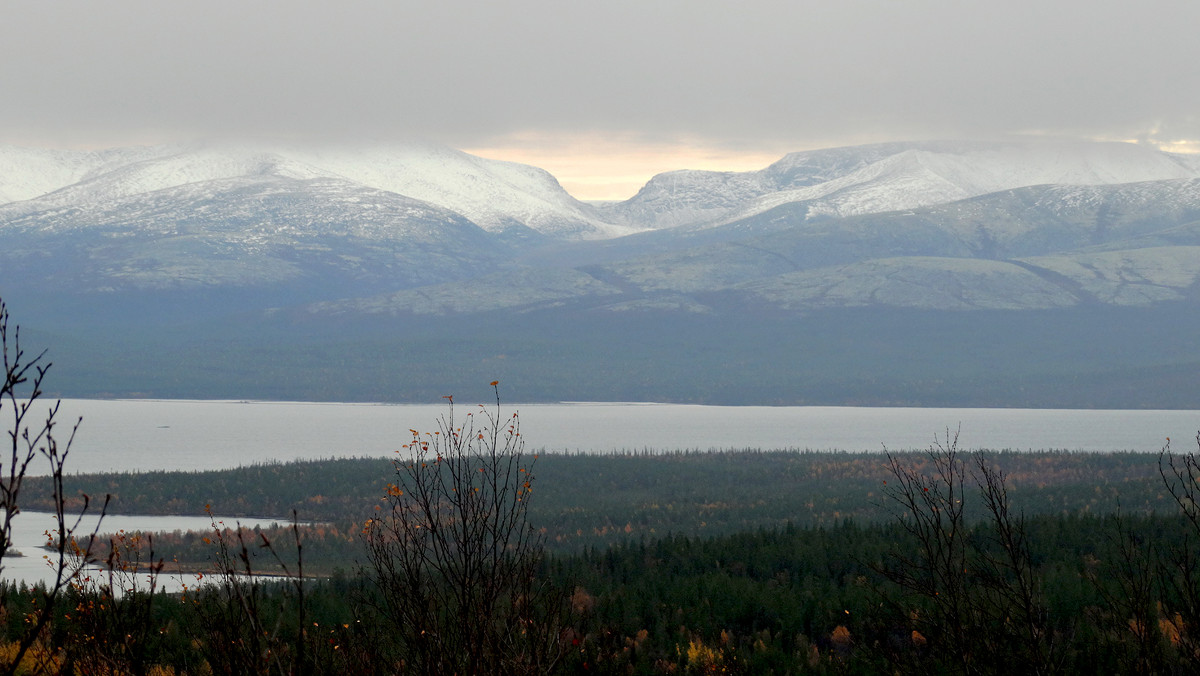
(737,562)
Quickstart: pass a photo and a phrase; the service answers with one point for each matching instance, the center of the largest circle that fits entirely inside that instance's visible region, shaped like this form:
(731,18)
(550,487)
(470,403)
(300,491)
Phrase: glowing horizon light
(596,168)
(1179,146)
(1185,146)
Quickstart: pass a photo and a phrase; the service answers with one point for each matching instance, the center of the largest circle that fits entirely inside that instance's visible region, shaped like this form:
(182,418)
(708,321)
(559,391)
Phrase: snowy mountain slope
(1024,222)
(1190,160)
(243,231)
(1049,218)
(498,196)
(891,177)
(685,209)
(26,173)
(912,178)
(494,194)
(685,197)
(168,170)
(918,177)
(373,223)
(694,197)
(813,167)
(277,272)
(515,199)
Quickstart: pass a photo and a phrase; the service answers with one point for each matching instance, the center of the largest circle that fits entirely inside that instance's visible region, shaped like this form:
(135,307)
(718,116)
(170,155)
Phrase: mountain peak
(496,195)
(894,176)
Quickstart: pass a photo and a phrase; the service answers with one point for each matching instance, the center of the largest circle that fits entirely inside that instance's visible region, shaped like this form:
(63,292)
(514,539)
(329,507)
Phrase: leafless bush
(454,557)
(980,605)
(1180,565)
(30,437)
(1130,585)
(247,633)
(111,621)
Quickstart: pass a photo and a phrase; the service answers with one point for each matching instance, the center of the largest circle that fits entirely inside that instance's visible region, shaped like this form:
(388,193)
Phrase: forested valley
(690,562)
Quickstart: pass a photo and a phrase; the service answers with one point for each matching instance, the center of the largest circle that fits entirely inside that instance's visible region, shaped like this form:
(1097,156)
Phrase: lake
(28,537)
(138,435)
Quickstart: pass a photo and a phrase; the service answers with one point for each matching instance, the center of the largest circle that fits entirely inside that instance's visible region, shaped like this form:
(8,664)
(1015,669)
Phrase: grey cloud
(465,72)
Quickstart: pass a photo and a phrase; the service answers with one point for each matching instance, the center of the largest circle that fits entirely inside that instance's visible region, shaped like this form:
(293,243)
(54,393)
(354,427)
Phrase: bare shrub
(454,558)
(1180,563)
(31,437)
(973,594)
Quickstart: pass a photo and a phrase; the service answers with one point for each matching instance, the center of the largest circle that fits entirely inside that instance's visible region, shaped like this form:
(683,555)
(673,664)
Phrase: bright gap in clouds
(592,167)
(1184,146)
(600,168)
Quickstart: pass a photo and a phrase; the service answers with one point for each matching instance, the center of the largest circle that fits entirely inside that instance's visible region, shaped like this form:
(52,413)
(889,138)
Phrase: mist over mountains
(933,273)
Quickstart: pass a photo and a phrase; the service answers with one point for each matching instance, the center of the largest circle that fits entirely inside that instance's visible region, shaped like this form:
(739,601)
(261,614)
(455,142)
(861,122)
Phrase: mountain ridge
(363,264)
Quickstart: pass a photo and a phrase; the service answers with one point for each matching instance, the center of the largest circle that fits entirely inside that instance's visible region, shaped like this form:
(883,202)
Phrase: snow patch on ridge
(918,177)
(496,195)
(27,173)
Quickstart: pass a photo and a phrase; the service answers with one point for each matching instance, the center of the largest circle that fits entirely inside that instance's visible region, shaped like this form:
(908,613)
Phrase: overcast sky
(599,92)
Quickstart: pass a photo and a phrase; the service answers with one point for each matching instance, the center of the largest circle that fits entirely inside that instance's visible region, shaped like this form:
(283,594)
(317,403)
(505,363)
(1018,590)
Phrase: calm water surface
(29,536)
(132,435)
(139,435)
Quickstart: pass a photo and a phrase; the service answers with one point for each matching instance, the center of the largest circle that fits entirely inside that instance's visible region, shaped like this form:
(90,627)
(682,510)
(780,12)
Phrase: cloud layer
(745,76)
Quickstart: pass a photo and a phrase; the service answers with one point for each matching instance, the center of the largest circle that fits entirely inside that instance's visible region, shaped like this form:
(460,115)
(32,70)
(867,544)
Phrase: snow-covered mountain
(497,196)
(328,235)
(512,198)
(380,223)
(1035,221)
(891,177)
(282,272)
(26,173)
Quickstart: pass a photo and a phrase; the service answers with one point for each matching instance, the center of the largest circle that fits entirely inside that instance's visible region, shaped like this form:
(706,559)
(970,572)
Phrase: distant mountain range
(347,273)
